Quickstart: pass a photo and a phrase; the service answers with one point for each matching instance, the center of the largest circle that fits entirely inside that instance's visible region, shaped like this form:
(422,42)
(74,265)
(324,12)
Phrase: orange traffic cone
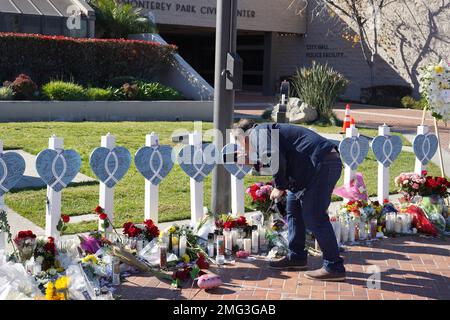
(353,121)
(347,119)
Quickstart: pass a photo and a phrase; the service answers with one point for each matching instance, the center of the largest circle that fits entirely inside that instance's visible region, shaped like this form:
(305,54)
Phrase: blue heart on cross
(237,170)
(154,163)
(387,149)
(425,146)
(57,168)
(198,162)
(110,165)
(12,167)
(353,151)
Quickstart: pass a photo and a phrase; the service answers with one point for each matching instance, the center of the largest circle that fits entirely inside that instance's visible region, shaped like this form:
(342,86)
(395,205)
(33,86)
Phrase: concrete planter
(11,111)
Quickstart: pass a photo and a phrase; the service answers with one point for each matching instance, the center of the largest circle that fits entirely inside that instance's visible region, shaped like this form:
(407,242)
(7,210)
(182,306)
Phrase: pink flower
(415,186)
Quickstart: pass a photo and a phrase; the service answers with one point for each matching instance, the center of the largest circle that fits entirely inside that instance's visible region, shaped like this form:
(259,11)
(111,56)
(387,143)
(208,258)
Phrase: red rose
(350,203)
(102,216)
(424,172)
(65,218)
(228,225)
(241,221)
(98,209)
(201,262)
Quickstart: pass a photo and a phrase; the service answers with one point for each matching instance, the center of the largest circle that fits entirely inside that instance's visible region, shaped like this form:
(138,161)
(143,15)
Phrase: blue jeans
(308,210)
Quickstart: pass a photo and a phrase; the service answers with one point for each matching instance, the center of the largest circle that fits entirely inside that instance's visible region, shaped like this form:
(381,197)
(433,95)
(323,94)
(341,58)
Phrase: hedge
(86,61)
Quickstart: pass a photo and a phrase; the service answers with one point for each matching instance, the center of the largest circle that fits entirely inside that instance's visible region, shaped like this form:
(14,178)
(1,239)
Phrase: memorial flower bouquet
(410,184)
(57,290)
(226,221)
(435,88)
(146,231)
(45,253)
(93,242)
(25,242)
(260,195)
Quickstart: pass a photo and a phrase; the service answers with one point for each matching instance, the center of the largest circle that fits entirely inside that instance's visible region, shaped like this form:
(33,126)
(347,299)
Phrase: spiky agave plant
(319,86)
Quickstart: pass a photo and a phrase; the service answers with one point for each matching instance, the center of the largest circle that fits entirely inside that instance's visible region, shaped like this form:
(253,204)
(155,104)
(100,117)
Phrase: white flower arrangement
(435,88)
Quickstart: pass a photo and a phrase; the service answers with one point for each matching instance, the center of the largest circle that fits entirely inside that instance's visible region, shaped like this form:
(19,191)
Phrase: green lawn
(129,194)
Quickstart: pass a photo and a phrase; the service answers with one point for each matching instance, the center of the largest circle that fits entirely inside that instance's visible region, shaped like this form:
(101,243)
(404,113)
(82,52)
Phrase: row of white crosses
(386,148)
(58,167)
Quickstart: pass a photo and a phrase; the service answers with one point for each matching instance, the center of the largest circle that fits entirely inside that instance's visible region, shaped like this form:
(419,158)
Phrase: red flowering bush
(87,61)
(23,87)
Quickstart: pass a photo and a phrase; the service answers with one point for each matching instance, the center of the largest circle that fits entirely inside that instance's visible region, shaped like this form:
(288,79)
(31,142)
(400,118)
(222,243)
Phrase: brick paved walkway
(411,268)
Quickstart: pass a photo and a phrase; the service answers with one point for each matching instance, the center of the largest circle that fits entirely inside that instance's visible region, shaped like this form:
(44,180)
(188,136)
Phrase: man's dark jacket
(300,153)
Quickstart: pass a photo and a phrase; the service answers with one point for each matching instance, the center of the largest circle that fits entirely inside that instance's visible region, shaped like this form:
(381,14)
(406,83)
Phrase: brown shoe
(285,263)
(324,275)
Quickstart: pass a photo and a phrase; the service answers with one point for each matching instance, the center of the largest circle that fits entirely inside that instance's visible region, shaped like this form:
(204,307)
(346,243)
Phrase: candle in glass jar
(255,239)
(234,236)
(182,244)
(398,224)
(262,237)
(351,231)
(344,232)
(362,230)
(373,228)
(162,255)
(248,245)
(228,241)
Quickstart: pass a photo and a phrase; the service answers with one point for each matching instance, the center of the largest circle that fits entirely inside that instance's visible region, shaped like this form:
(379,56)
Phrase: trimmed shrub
(64,91)
(6,93)
(157,91)
(409,102)
(24,88)
(118,82)
(88,61)
(146,91)
(319,87)
(98,94)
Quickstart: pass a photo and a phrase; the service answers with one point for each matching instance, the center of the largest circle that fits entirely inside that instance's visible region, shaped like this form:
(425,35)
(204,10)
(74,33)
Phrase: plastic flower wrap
(355,191)
(15,282)
(435,87)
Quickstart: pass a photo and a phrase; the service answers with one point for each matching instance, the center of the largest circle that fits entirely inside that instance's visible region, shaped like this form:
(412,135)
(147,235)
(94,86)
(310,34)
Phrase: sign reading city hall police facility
(255,15)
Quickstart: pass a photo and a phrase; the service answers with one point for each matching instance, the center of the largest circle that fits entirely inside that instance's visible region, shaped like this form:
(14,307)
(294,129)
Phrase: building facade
(275,37)
(50,17)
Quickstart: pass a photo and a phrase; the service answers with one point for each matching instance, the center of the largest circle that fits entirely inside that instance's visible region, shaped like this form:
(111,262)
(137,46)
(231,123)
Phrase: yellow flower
(172,229)
(439,69)
(186,258)
(49,291)
(161,234)
(90,258)
(62,283)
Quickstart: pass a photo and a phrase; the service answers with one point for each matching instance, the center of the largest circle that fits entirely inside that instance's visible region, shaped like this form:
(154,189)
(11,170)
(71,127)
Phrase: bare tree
(362,17)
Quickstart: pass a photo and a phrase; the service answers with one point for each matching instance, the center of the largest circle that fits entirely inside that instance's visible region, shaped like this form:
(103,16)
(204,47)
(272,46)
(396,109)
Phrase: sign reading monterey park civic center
(256,15)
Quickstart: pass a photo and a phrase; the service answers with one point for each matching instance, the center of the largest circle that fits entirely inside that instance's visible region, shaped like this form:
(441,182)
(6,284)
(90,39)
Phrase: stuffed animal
(209,281)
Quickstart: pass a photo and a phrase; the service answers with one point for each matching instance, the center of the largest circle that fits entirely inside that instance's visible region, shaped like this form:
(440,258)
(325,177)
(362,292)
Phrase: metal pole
(223,100)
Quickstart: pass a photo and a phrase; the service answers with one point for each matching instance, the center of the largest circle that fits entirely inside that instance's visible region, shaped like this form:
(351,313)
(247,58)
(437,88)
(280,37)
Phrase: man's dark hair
(245,125)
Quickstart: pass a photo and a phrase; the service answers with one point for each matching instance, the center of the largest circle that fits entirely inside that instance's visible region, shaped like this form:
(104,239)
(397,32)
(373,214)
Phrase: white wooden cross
(383,172)
(419,167)
(237,191)
(106,200)
(349,173)
(151,190)
(2,207)
(195,139)
(53,208)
